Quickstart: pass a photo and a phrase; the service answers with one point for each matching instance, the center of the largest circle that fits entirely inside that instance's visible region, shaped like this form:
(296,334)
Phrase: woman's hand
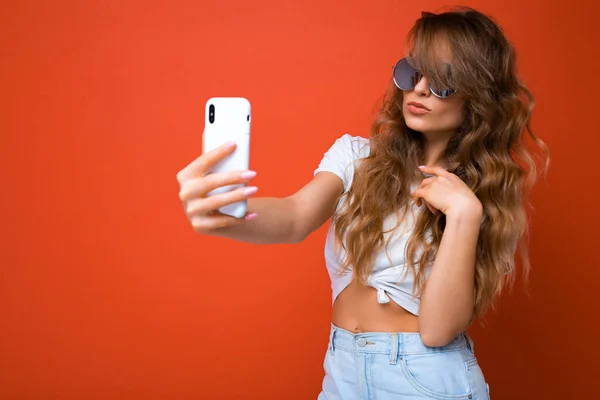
(201,210)
(445,192)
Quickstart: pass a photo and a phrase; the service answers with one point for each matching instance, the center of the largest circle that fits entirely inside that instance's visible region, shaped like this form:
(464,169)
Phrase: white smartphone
(228,119)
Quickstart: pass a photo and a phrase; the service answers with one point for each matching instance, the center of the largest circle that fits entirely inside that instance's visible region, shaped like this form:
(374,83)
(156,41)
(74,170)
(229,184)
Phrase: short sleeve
(341,156)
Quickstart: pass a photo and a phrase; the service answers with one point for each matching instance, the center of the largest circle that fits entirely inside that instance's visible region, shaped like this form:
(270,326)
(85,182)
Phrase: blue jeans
(398,366)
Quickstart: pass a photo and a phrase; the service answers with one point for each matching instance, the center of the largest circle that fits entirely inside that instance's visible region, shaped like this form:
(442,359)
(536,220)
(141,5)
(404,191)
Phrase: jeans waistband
(396,343)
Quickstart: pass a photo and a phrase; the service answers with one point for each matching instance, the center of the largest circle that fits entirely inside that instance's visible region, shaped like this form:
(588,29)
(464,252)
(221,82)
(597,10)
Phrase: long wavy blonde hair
(488,152)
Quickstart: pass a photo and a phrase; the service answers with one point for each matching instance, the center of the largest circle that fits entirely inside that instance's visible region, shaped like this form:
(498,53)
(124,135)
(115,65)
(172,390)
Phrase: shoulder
(341,157)
(352,147)
(359,146)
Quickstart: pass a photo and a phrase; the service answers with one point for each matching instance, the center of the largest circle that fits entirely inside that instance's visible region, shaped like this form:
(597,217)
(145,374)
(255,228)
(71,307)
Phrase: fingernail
(248,174)
(421,166)
(250,217)
(229,145)
(250,190)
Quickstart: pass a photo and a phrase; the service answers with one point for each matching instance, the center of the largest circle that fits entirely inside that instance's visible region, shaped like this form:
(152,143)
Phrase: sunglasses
(406,77)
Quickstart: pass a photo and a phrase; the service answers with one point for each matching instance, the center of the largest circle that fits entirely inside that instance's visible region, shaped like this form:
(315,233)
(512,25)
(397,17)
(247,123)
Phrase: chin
(415,123)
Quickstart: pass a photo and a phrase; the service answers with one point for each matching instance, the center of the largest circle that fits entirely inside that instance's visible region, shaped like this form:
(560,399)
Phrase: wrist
(467,212)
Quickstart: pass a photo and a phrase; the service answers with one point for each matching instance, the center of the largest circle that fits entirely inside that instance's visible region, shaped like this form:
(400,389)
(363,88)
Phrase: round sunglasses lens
(442,93)
(405,76)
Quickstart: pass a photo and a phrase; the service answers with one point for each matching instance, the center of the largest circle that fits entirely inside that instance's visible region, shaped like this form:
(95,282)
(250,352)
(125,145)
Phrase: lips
(418,105)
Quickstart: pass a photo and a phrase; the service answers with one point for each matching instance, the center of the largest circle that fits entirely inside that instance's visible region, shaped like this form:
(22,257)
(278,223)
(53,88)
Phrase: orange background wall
(105,290)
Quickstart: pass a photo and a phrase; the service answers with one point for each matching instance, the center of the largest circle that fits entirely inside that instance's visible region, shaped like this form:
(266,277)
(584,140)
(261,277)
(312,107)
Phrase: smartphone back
(228,119)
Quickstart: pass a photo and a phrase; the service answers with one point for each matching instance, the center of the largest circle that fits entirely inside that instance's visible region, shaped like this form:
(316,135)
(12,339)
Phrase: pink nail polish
(251,190)
(248,174)
(250,217)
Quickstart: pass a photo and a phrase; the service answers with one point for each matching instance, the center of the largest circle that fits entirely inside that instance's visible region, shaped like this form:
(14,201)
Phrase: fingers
(202,164)
(195,185)
(205,205)
(200,186)
(419,197)
(420,191)
(428,181)
(204,223)
(433,210)
(439,171)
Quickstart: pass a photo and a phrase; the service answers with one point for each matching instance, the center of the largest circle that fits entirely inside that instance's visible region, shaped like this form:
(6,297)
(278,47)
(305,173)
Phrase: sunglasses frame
(431,89)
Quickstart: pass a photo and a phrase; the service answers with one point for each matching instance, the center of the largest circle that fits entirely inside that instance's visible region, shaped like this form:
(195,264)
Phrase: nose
(422,87)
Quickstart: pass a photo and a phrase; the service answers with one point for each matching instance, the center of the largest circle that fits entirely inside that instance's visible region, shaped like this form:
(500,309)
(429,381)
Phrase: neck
(436,143)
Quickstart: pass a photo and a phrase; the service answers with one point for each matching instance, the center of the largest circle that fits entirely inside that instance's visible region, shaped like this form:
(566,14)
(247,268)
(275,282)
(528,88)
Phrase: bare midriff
(356,310)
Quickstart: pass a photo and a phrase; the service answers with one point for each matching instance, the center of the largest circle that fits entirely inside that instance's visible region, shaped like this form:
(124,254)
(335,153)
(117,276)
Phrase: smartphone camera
(211,113)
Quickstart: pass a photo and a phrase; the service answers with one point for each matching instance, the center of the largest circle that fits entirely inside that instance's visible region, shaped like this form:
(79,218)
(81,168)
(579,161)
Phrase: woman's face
(426,113)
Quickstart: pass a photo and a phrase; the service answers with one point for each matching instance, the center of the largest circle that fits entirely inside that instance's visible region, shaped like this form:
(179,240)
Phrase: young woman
(427,214)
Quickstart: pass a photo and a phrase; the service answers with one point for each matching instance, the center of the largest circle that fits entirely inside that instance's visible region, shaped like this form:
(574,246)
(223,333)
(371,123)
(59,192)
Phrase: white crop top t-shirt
(390,276)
